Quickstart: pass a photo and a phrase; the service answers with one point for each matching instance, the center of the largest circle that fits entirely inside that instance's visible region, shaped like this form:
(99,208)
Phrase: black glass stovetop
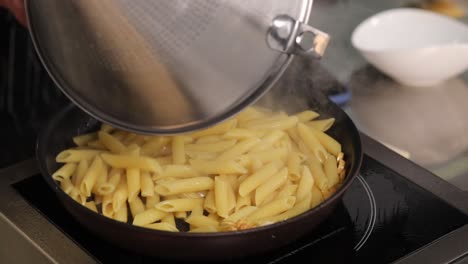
(382,218)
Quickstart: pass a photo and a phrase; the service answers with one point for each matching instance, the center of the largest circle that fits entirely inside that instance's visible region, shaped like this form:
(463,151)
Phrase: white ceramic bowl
(415,47)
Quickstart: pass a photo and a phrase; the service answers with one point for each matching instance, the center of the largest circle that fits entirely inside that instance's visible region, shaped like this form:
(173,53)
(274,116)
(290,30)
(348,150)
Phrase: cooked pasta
(255,169)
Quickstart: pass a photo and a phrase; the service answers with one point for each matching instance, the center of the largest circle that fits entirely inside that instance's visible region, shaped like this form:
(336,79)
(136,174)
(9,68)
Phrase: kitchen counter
(427,126)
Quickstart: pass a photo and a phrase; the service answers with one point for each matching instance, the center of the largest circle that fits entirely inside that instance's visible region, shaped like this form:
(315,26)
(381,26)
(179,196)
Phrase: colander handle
(288,35)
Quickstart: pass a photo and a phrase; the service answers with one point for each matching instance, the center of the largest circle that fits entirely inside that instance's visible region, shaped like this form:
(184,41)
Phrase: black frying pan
(57,135)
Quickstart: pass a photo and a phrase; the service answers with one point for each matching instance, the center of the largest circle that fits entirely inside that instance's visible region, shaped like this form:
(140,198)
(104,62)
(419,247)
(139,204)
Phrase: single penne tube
(316,197)
(208,139)
(80,172)
(147,184)
(166,160)
(201,220)
(169,219)
(133,183)
(218,146)
(119,134)
(197,210)
(138,140)
(217,129)
(122,214)
(90,178)
(178,205)
(200,155)
(193,195)
(65,172)
(204,229)
(316,168)
(305,184)
(127,161)
(329,143)
(180,215)
(223,193)
(275,207)
(106,206)
(110,185)
(280,124)
(269,155)
(240,148)
(268,140)
(248,114)
(136,206)
(270,197)
(148,217)
(294,166)
(288,189)
(154,145)
(111,143)
(256,179)
(209,203)
(186,185)
(92,206)
(96,144)
(77,196)
(331,171)
(268,118)
(243,201)
(162,227)
(306,115)
(106,128)
(129,138)
(298,209)
(82,140)
(177,171)
(101,179)
(242,213)
(178,150)
(270,186)
(66,185)
(311,141)
(132,150)
(120,195)
(76,155)
(238,133)
(151,201)
(322,125)
(217,167)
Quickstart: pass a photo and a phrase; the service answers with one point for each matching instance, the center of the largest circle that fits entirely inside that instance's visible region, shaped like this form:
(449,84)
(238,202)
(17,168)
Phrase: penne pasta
(132,162)
(256,179)
(312,142)
(178,186)
(76,155)
(148,217)
(322,125)
(267,188)
(111,143)
(65,172)
(257,168)
(147,185)
(178,205)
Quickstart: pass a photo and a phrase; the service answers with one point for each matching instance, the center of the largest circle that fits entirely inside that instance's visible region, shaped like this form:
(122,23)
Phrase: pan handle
(288,35)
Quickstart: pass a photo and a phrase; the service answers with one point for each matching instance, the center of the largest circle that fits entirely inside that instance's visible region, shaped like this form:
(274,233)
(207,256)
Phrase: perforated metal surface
(157,66)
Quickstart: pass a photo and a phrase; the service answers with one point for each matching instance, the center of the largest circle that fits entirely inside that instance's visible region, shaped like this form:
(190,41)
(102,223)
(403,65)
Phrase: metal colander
(159,66)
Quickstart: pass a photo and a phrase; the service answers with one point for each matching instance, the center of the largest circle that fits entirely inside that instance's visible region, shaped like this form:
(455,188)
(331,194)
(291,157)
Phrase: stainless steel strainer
(169,66)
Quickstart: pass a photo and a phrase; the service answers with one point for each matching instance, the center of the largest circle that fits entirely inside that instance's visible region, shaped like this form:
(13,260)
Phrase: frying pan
(72,121)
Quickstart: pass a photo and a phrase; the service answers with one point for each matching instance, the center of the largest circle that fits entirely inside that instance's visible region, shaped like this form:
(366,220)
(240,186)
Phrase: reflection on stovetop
(379,221)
